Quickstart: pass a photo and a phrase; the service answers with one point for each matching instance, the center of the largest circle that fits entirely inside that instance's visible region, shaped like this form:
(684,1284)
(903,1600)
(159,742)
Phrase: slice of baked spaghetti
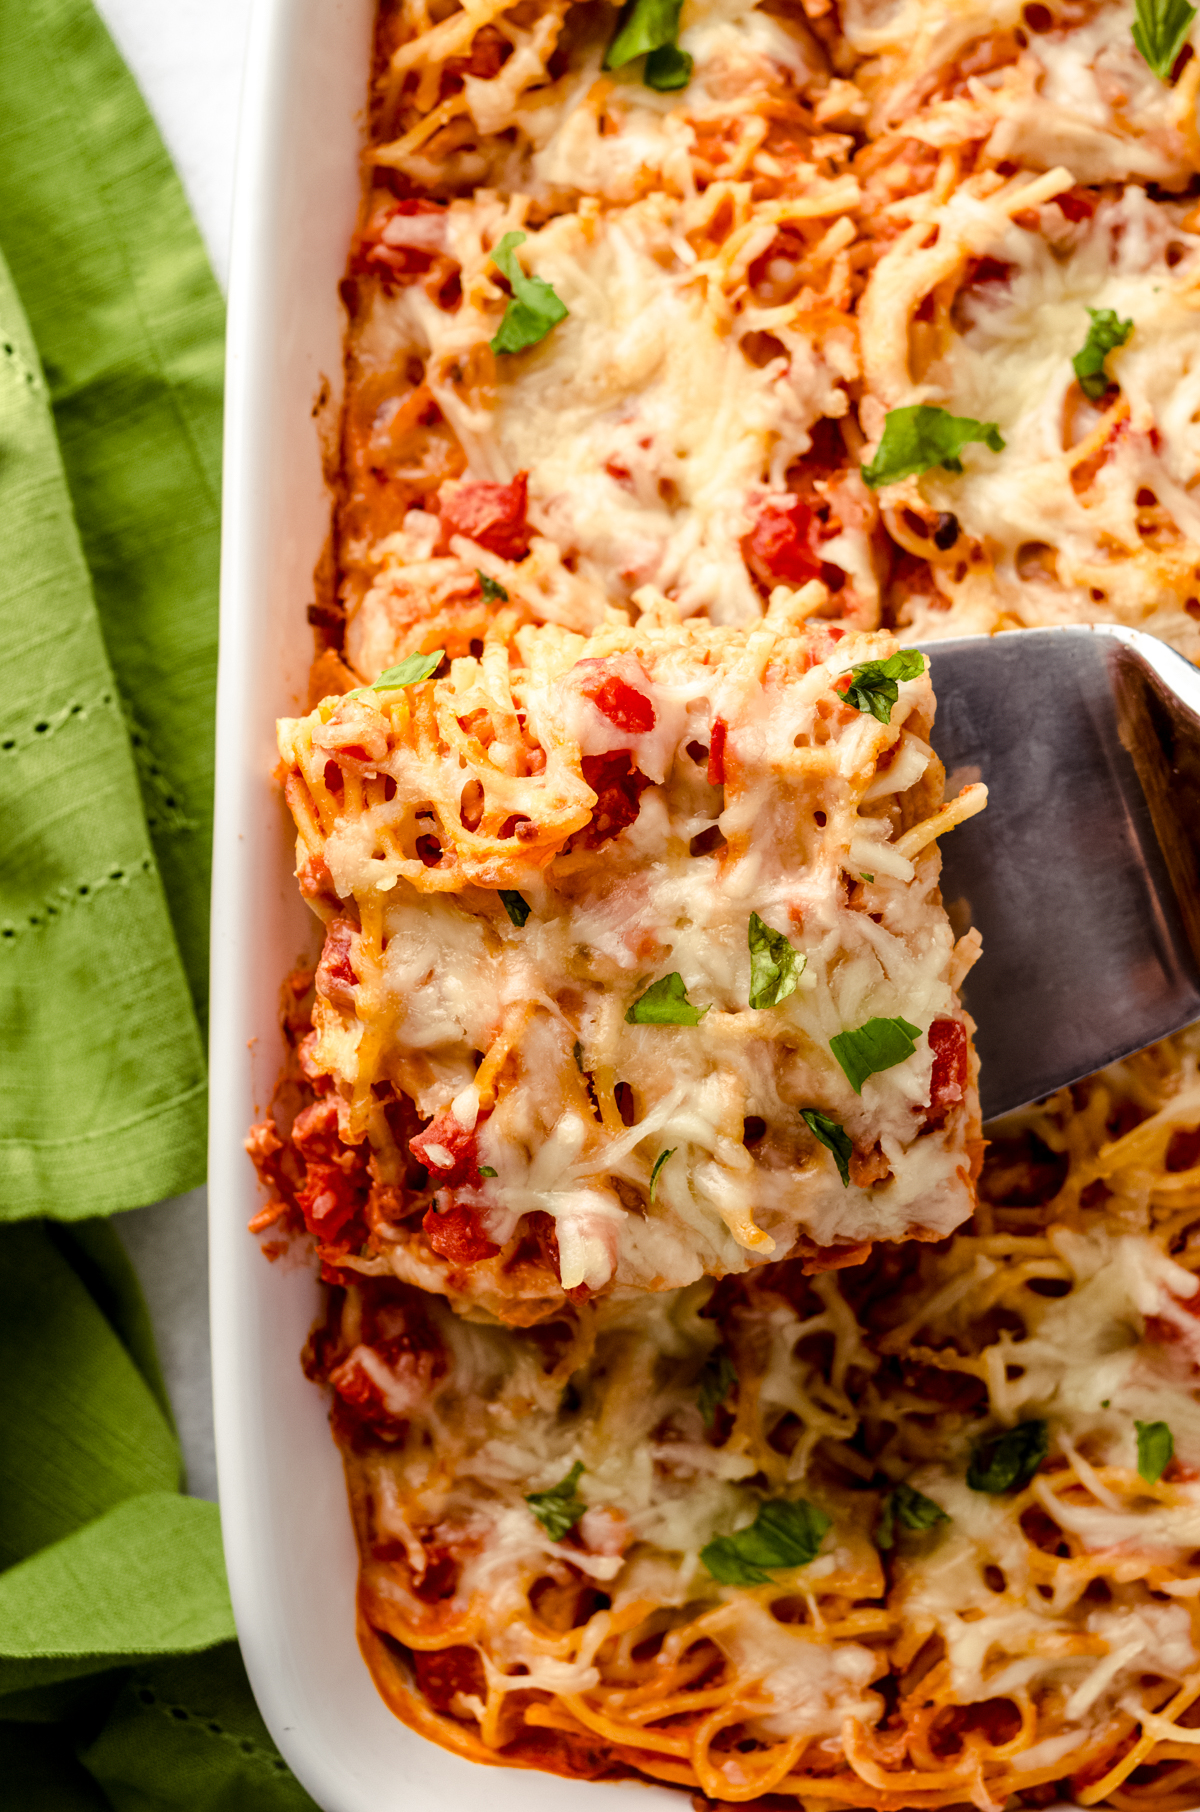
(635,967)
(916,1533)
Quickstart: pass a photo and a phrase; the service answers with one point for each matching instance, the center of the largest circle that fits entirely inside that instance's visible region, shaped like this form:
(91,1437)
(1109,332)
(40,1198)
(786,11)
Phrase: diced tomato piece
(998,1720)
(1075,204)
(490,51)
(357,1388)
(373,255)
(440,1578)
(778,550)
(618,788)
(1183,1152)
(716,753)
(315,1136)
(457,1236)
(363,1398)
(442,1672)
(492,515)
(624,706)
(987,270)
(327,1199)
(448,1151)
(948,1083)
(336,980)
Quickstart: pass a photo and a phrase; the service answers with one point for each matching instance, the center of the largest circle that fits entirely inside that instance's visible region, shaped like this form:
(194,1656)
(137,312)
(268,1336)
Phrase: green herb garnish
(783,1534)
(516,906)
(659,1161)
(1005,1462)
(834,1137)
(1156,1449)
(491,588)
(485,1170)
(1104,335)
(920,436)
(717,1379)
(878,1045)
(775,967)
(665,1003)
(559,1509)
(649,28)
(534,308)
(874,685)
(409,672)
(1159,32)
(911,1509)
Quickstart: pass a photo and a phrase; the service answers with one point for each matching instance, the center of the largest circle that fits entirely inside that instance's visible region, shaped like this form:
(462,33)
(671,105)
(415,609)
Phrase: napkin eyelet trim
(22,369)
(183,1714)
(49,723)
(74,893)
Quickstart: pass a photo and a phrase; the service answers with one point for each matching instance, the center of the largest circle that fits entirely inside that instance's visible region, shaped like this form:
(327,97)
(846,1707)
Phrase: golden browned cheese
(833,1516)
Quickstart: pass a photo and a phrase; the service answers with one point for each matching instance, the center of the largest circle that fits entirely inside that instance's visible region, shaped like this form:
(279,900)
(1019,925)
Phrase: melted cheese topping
(1088,513)
(810,827)
(840,214)
(1039,94)
(1063,1610)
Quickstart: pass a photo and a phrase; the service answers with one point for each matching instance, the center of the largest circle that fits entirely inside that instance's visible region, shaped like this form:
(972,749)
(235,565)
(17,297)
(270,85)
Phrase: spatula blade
(1081,875)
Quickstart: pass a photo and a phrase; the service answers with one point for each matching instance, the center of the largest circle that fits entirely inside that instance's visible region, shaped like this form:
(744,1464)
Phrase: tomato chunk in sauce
(492,515)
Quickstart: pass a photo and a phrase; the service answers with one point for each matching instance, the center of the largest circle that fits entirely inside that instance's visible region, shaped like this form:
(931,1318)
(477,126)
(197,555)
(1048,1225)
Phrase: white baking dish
(288,1539)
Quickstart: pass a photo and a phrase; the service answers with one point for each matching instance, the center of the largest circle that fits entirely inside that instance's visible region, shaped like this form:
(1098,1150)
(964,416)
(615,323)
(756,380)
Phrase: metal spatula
(1083,874)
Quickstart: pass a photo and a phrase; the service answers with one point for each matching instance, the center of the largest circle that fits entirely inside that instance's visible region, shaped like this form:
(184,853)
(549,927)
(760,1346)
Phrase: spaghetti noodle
(698,374)
(588,903)
(959,1635)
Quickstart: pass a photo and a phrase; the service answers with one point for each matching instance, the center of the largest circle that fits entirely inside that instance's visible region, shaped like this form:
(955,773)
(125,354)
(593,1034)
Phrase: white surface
(168,1244)
(188,58)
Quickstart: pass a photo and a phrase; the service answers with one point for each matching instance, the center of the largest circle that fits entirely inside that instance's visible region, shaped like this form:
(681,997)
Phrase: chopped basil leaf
(919,436)
(665,1003)
(559,1509)
(1105,1402)
(1103,336)
(1156,1449)
(864,876)
(485,1170)
(491,588)
(1005,1462)
(1159,32)
(410,672)
(834,1137)
(878,1045)
(668,68)
(716,1381)
(874,684)
(644,25)
(775,967)
(783,1534)
(659,1161)
(534,308)
(516,906)
(911,1509)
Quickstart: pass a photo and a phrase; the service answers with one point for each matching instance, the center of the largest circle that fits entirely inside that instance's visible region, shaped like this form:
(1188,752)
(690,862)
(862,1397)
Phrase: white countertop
(187,58)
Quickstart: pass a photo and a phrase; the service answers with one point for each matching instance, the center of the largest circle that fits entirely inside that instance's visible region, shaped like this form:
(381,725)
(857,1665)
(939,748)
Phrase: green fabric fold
(103,1088)
(96,1598)
(121,1686)
(129,323)
(120,1683)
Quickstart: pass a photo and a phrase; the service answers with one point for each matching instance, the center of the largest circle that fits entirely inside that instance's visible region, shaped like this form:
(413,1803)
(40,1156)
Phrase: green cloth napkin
(121,1685)
(110,370)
